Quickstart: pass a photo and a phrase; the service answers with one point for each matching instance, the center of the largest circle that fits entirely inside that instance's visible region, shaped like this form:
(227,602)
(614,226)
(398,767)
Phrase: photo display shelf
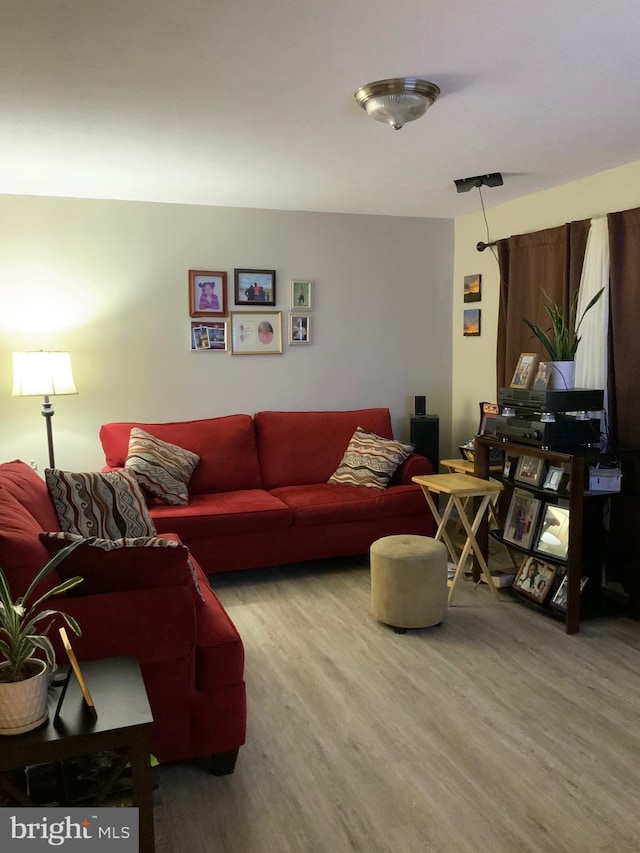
(546,515)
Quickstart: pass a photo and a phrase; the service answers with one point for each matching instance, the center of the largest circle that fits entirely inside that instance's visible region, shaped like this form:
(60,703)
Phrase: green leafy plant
(561,339)
(20,631)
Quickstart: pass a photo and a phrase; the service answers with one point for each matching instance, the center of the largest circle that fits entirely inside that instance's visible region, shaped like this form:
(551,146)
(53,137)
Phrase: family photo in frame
(256,332)
(254,287)
(535,579)
(525,370)
(207,294)
(530,470)
(301,295)
(520,524)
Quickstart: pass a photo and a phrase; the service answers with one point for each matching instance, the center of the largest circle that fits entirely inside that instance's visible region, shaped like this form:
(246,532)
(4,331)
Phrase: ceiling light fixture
(398,100)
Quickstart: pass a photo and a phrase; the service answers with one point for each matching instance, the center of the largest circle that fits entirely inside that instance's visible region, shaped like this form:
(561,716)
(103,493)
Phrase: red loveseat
(259,495)
(190,654)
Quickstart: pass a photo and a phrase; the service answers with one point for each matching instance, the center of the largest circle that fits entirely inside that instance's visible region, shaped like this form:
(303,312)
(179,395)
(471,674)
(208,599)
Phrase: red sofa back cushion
(29,489)
(304,448)
(226,447)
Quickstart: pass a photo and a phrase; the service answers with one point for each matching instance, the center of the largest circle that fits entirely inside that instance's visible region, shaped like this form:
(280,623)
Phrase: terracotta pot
(23,704)
(562,375)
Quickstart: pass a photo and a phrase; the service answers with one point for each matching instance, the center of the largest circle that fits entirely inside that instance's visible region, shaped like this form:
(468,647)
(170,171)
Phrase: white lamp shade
(42,374)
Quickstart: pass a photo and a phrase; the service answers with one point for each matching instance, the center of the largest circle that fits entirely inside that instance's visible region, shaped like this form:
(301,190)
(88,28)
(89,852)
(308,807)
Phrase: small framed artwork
(554,478)
(525,370)
(559,599)
(207,294)
(472,288)
(256,332)
(75,666)
(535,579)
(254,287)
(553,536)
(521,520)
(299,329)
(208,336)
(488,414)
(542,379)
(472,319)
(301,295)
(530,470)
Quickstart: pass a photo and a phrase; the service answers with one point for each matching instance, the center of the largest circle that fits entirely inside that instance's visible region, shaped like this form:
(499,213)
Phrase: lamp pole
(47,413)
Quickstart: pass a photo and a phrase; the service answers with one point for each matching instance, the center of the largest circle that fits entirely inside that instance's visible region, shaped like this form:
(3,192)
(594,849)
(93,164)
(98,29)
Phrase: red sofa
(259,495)
(190,654)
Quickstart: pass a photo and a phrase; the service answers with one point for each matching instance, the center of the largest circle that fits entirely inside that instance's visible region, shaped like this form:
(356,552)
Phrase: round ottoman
(408,581)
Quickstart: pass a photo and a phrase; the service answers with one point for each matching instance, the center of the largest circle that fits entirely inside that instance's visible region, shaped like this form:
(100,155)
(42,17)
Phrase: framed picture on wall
(301,295)
(208,336)
(207,294)
(299,329)
(473,288)
(254,287)
(471,323)
(256,332)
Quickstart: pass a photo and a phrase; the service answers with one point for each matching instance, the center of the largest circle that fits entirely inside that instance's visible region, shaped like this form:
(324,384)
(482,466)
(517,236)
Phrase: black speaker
(420,406)
(425,434)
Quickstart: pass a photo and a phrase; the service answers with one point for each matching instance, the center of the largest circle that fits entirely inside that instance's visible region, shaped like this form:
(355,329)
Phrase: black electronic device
(565,432)
(552,400)
(420,406)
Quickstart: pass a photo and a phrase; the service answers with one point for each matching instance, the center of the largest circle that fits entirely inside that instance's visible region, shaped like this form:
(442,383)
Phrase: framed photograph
(530,470)
(472,318)
(208,336)
(256,332)
(299,329)
(488,414)
(535,579)
(254,287)
(525,370)
(553,536)
(207,294)
(520,524)
(301,295)
(559,599)
(75,666)
(472,288)
(554,478)
(542,379)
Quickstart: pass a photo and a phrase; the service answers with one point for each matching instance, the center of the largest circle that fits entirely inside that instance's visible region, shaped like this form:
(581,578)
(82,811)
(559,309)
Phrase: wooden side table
(460,488)
(123,725)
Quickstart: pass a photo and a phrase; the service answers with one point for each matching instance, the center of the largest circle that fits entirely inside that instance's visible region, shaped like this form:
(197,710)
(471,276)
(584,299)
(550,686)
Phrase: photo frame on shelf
(207,294)
(525,370)
(535,579)
(256,332)
(553,536)
(522,517)
(554,478)
(299,329)
(530,470)
(301,295)
(542,379)
(75,667)
(559,599)
(208,337)
(254,287)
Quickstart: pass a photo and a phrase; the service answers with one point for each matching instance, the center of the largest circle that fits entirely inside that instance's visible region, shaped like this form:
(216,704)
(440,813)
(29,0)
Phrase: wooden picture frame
(254,287)
(472,322)
(542,379)
(256,332)
(535,578)
(522,517)
(553,536)
(207,294)
(525,370)
(472,288)
(208,337)
(301,295)
(75,666)
(530,470)
(299,329)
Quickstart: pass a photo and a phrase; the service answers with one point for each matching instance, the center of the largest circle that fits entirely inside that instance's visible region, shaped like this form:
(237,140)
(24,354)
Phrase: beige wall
(108,282)
(474,358)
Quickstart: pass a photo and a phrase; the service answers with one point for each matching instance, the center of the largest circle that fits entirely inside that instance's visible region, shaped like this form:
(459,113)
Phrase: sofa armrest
(413,466)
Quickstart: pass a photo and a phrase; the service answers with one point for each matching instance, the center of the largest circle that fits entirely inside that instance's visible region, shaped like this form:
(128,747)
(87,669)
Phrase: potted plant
(562,338)
(24,680)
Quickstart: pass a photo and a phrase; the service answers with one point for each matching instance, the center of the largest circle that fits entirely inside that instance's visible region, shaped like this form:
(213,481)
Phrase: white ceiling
(250,102)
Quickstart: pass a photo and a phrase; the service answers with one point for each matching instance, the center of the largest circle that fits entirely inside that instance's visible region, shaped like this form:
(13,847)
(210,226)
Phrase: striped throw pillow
(162,469)
(108,505)
(370,460)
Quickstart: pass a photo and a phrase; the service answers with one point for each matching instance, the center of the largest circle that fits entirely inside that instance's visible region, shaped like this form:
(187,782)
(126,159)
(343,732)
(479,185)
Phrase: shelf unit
(587,536)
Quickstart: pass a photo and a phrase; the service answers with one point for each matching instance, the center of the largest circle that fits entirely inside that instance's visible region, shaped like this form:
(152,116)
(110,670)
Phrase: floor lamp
(47,374)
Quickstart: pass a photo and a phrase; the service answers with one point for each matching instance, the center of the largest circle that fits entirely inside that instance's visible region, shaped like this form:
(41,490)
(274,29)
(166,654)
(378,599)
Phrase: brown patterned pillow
(370,460)
(109,505)
(161,468)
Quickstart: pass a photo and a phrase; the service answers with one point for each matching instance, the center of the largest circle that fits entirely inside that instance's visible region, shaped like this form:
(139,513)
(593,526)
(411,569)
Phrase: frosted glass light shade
(397,100)
(42,374)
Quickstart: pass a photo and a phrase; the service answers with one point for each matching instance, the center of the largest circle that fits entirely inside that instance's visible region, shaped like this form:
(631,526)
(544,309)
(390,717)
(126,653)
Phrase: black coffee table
(123,725)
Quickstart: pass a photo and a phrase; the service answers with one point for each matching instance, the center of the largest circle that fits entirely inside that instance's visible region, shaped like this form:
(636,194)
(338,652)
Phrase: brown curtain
(531,264)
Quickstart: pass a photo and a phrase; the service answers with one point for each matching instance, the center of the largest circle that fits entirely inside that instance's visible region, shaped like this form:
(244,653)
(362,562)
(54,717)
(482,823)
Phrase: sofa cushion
(161,468)
(370,460)
(219,649)
(30,490)
(111,565)
(208,516)
(109,505)
(302,448)
(328,503)
(226,447)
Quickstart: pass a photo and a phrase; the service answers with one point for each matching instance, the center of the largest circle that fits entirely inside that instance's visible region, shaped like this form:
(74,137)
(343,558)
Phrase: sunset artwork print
(472,322)
(472,288)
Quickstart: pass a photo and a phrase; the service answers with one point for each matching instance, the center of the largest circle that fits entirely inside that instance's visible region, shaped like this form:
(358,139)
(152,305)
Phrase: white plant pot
(23,704)
(562,375)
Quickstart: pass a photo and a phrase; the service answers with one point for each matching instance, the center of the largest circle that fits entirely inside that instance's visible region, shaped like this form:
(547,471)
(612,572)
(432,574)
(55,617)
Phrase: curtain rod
(482,246)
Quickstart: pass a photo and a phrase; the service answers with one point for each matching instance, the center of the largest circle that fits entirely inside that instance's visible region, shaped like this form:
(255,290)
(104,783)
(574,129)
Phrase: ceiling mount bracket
(494,179)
